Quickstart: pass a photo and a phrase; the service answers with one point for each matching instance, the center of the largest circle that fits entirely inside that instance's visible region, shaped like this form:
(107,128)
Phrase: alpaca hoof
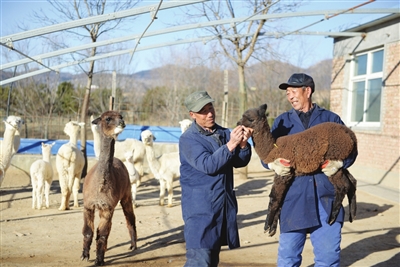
(272,232)
(85,256)
(169,205)
(99,262)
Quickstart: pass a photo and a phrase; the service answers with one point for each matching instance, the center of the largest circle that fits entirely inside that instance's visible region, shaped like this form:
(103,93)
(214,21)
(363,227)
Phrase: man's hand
(247,133)
(236,138)
(280,166)
(330,167)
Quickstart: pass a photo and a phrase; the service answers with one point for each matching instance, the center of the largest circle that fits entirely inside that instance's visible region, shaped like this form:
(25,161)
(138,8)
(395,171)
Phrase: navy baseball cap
(298,80)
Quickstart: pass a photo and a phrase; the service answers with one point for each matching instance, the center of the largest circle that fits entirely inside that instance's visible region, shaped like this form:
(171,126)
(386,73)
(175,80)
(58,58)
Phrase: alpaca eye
(108,119)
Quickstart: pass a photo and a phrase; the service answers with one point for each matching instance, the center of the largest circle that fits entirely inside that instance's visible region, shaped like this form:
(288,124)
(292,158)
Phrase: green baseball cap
(197,100)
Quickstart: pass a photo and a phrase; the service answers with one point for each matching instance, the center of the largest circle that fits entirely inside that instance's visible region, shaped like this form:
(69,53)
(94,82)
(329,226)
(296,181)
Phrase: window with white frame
(366,88)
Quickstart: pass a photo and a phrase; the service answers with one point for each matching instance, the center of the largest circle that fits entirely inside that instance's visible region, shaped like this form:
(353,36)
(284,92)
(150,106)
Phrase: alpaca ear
(263,110)
(96,121)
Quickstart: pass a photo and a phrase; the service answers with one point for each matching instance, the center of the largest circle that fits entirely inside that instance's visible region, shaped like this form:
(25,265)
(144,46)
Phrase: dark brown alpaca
(106,183)
(307,152)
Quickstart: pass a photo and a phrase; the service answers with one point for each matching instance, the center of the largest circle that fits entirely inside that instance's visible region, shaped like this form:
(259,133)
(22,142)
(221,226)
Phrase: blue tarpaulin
(161,134)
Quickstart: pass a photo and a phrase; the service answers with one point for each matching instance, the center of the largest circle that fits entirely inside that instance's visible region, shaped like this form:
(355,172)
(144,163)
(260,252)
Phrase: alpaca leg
(133,192)
(139,169)
(34,190)
(75,190)
(170,191)
(130,218)
(273,207)
(39,192)
(277,195)
(87,231)
(64,191)
(47,193)
(103,231)
(351,195)
(162,191)
(340,183)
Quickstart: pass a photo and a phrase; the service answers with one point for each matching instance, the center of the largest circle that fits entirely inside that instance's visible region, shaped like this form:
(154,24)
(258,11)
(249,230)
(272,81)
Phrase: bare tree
(238,41)
(74,10)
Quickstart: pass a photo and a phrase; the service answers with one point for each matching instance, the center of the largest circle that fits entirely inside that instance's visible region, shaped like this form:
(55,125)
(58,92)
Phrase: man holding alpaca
(308,202)
(208,154)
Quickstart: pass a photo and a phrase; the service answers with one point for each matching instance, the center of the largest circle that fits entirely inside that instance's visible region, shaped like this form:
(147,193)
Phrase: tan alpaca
(106,184)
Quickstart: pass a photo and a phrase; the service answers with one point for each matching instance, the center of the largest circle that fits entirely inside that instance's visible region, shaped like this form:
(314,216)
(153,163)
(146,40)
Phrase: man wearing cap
(208,154)
(308,202)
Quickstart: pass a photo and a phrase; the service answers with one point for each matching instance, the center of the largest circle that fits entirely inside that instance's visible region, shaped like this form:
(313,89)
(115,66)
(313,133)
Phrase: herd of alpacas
(116,175)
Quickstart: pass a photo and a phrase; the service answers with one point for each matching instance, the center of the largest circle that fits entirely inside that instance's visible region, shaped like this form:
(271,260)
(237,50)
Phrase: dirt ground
(53,238)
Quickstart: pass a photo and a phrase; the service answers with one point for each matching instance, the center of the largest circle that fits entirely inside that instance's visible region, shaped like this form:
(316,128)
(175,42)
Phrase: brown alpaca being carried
(106,183)
(307,152)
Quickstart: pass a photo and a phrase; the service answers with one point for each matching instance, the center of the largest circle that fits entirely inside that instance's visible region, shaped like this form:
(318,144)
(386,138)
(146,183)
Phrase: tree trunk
(242,172)
(85,106)
(242,90)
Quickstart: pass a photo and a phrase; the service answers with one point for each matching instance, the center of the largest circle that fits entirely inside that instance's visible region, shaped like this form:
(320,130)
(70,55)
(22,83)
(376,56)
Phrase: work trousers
(325,240)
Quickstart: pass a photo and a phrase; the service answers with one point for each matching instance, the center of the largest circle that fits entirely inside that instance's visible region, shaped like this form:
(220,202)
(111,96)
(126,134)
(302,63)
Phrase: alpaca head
(185,124)
(13,122)
(110,123)
(252,117)
(72,128)
(46,148)
(147,137)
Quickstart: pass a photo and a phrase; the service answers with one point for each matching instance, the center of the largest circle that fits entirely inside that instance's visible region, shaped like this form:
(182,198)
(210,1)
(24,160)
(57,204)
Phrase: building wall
(379,147)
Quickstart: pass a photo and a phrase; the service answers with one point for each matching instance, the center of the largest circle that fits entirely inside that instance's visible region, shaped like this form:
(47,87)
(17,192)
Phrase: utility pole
(225,102)
(113,90)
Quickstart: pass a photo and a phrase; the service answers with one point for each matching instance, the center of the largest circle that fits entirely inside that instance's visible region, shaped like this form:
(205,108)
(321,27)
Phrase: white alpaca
(165,168)
(122,147)
(41,177)
(69,164)
(10,143)
(133,174)
(185,124)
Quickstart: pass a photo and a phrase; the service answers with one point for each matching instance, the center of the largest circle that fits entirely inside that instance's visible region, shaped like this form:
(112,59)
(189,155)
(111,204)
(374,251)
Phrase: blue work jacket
(299,209)
(207,188)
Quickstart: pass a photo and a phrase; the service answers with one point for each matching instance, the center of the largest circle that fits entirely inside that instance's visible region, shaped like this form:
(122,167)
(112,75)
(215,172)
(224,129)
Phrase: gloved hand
(330,167)
(280,166)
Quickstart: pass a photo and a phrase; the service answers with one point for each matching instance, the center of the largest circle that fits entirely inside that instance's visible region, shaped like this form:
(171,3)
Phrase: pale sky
(313,50)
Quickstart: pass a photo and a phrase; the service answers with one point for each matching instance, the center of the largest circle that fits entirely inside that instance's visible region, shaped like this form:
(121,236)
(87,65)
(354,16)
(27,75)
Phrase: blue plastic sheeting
(161,134)
(33,146)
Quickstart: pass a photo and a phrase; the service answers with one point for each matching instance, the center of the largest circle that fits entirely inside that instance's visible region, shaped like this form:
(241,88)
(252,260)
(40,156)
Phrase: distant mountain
(275,72)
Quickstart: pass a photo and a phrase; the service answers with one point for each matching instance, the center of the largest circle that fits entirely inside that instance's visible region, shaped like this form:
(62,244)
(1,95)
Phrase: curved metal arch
(198,25)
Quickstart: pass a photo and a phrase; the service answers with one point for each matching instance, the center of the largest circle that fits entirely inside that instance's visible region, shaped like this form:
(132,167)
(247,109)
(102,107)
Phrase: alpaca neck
(46,156)
(107,147)
(7,147)
(73,140)
(154,164)
(263,140)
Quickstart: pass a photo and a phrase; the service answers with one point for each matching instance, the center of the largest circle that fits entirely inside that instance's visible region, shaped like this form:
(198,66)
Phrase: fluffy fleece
(106,184)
